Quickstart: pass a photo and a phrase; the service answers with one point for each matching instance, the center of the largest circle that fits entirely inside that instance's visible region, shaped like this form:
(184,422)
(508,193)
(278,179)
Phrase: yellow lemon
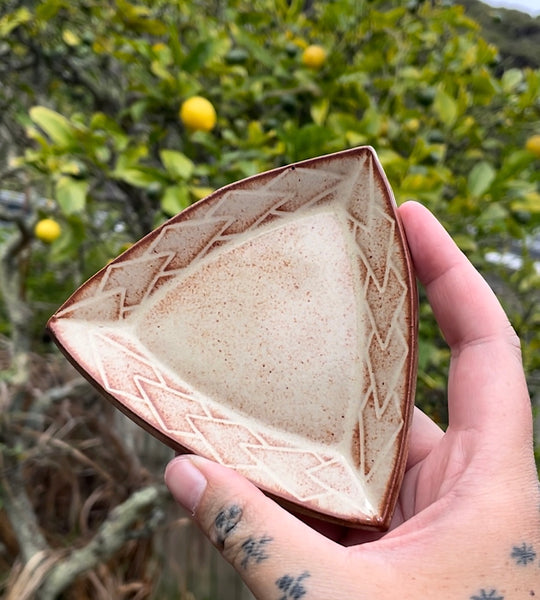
(47,230)
(198,114)
(533,145)
(314,56)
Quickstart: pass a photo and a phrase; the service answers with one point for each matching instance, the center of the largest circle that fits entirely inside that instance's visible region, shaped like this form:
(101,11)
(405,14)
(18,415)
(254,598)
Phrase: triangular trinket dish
(270,327)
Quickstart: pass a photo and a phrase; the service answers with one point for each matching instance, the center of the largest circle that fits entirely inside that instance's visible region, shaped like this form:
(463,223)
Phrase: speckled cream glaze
(270,327)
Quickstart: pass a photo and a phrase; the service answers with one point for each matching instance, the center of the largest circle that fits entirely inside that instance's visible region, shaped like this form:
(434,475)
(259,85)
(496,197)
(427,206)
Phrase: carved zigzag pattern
(127,375)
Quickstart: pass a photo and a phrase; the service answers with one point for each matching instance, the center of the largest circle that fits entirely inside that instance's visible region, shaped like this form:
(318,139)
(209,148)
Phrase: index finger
(486,383)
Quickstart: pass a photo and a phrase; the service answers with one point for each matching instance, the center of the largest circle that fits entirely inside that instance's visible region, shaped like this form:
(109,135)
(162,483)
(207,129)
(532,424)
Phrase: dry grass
(76,469)
(80,458)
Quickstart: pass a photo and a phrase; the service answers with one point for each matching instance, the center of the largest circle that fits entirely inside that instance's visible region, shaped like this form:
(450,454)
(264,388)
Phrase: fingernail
(185,482)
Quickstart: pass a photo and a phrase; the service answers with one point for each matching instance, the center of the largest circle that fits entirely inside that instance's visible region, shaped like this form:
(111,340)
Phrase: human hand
(467,523)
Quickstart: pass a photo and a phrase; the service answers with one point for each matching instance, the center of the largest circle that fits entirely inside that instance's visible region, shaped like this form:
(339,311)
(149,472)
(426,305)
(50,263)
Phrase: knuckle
(225,523)
(233,551)
(513,339)
(227,532)
(230,514)
(232,533)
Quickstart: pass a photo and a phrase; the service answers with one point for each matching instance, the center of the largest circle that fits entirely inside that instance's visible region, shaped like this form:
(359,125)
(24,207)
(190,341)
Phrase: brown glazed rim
(382,522)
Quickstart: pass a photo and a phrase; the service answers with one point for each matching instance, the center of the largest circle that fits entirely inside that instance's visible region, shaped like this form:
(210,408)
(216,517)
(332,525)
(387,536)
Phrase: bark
(19,510)
(12,286)
(115,531)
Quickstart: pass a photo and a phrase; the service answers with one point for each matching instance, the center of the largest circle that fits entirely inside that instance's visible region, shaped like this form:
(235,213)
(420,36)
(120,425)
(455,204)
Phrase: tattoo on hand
(255,550)
(485,595)
(524,554)
(292,587)
(225,522)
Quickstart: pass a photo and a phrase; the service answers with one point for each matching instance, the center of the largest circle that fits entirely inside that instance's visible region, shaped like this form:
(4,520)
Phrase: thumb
(276,554)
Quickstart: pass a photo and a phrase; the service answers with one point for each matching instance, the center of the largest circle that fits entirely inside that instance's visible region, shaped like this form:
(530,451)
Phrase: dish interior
(269,328)
(272,328)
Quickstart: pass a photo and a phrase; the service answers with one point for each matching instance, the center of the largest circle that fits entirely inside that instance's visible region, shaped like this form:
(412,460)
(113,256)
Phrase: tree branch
(19,509)
(55,395)
(115,531)
(11,286)
(63,67)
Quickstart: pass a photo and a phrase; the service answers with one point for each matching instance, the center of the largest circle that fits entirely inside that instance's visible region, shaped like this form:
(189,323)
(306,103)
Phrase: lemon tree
(136,139)
(141,108)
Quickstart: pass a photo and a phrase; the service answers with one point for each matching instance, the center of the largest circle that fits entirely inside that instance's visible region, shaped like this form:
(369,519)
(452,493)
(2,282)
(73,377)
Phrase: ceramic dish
(270,327)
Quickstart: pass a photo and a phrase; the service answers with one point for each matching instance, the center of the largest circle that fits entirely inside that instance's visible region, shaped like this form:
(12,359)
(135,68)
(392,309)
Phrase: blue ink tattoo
(292,586)
(255,550)
(225,522)
(524,554)
(485,595)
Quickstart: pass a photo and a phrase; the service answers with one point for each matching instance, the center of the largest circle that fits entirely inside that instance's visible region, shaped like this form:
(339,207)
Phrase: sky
(530,6)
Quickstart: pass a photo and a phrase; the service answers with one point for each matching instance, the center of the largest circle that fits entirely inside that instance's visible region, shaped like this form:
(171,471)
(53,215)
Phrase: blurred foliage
(516,34)
(91,92)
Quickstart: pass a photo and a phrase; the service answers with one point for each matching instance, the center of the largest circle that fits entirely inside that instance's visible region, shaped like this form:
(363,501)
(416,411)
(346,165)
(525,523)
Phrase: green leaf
(493,215)
(130,157)
(137,17)
(178,165)
(71,194)
(371,121)
(11,21)
(175,199)
(57,127)
(174,45)
(515,163)
(70,38)
(465,242)
(200,55)
(445,107)
(161,71)
(483,86)
(511,79)
(48,9)
(255,133)
(140,177)
(319,110)
(480,178)
(529,203)
(200,192)
(257,51)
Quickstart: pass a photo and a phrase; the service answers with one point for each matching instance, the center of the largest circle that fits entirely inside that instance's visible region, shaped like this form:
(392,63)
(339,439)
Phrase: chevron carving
(105,325)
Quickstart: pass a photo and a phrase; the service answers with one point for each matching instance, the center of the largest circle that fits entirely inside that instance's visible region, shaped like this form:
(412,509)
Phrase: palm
(431,478)
(438,462)
(459,484)
(428,479)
